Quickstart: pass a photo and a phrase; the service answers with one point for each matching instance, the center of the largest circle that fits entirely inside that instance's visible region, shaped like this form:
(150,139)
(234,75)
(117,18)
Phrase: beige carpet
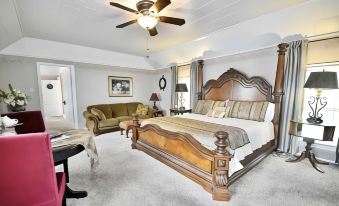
(130,177)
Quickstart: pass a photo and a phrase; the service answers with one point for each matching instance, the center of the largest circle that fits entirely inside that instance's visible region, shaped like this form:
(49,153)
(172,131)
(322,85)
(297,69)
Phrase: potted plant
(15,100)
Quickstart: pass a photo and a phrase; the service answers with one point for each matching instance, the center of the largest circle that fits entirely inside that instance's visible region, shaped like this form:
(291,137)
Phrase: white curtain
(174,81)
(293,93)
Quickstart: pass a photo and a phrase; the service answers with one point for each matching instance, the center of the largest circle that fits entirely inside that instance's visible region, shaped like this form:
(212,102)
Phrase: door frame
(73,88)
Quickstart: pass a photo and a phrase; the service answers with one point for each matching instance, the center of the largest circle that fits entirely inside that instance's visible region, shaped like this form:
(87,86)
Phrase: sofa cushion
(105,108)
(142,109)
(98,113)
(112,122)
(124,118)
(119,110)
(132,107)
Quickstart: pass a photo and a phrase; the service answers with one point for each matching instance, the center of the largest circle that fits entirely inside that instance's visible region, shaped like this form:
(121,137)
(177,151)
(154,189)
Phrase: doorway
(57,96)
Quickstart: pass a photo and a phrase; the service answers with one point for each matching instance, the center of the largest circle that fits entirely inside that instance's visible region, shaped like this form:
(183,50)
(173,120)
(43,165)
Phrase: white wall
(91,82)
(164,96)
(311,18)
(256,63)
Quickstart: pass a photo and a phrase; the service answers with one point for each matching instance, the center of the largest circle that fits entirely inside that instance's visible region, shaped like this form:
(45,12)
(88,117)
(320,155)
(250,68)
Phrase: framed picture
(120,86)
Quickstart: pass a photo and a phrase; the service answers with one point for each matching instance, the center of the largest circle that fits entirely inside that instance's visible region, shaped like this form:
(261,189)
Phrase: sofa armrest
(92,122)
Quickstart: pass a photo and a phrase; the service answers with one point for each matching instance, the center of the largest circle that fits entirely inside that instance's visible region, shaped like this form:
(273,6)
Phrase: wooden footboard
(186,155)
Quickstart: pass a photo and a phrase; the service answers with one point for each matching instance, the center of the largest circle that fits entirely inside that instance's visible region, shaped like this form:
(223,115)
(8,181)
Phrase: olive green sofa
(114,113)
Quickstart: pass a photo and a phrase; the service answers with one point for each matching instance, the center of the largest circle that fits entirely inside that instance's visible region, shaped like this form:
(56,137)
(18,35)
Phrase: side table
(158,113)
(310,132)
(180,111)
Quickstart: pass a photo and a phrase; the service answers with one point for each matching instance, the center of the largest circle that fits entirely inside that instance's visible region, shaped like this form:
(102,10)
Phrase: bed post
(279,89)
(200,79)
(220,168)
(134,128)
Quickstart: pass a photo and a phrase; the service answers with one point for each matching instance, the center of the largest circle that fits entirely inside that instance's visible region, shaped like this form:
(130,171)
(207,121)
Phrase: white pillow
(270,112)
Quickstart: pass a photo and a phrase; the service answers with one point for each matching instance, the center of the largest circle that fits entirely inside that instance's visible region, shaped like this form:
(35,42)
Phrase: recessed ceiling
(92,22)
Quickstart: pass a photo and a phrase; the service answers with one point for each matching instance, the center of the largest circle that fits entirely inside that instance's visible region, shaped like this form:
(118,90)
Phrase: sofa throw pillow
(142,109)
(98,113)
(203,106)
(251,110)
(217,112)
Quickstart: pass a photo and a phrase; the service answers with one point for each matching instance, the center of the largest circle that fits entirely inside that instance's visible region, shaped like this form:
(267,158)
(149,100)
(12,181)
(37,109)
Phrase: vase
(17,108)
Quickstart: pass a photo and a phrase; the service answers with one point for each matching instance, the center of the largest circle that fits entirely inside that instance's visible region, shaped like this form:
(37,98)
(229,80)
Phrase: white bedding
(259,133)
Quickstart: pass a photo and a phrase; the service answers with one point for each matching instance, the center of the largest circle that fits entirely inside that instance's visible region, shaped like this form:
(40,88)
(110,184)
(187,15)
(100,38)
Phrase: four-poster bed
(207,167)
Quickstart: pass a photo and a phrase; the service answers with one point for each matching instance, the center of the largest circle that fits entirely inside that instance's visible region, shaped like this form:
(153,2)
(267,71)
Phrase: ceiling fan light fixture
(147,22)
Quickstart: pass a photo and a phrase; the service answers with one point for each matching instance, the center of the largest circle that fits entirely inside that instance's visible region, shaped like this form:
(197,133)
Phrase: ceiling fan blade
(123,7)
(153,31)
(172,20)
(126,24)
(160,5)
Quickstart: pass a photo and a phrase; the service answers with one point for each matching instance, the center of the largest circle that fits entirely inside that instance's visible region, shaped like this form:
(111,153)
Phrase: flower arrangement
(15,99)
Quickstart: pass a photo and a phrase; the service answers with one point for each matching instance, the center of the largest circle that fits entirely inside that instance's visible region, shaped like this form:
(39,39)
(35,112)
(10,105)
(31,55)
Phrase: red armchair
(27,174)
(32,121)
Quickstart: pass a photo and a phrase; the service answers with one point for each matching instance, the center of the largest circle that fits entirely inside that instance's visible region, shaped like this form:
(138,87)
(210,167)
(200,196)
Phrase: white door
(52,98)
(66,85)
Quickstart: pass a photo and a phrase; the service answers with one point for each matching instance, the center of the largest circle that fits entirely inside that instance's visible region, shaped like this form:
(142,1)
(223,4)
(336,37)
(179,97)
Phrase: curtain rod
(321,37)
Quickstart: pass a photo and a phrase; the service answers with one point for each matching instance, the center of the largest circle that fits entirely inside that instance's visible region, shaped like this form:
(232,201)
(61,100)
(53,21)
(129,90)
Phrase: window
(331,110)
(184,76)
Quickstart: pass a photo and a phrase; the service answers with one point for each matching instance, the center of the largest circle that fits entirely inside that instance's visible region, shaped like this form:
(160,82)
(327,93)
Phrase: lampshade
(147,22)
(154,97)
(322,80)
(181,88)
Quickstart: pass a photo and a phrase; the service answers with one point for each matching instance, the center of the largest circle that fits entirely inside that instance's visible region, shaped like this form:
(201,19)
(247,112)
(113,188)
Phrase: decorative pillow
(219,104)
(251,110)
(142,109)
(203,106)
(218,112)
(270,112)
(198,107)
(98,113)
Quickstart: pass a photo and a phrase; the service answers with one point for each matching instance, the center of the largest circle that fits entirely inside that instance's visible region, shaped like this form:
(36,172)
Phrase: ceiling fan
(148,18)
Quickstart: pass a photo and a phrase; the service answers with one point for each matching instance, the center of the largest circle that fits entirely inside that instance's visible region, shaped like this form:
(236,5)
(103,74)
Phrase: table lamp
(154,98)
(319,81)
(180,88)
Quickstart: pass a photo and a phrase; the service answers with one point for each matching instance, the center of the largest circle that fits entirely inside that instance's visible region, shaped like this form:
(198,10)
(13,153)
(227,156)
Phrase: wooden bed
(210,168)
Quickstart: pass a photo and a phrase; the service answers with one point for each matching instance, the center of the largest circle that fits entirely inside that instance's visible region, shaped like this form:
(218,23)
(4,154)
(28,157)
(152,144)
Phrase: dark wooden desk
(310,132)
(61,155)
(180,111)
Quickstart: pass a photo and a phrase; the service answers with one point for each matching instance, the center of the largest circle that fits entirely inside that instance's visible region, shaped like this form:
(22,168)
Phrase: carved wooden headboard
(234,85)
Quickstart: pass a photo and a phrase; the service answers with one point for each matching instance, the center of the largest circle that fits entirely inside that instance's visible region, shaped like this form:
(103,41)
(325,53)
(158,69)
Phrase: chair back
(27,174)
(32,121)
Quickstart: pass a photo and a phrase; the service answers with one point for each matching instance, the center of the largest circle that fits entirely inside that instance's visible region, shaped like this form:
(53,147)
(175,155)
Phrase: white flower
(9,100)
(20,102)
(21,95)
(13,104)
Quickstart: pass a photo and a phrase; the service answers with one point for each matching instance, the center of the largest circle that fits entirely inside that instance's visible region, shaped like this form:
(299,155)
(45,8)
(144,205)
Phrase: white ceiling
(92,22)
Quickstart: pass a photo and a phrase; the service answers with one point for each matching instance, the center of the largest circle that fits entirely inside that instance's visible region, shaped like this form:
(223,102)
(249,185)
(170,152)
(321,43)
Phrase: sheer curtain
(174,81)
(293,93)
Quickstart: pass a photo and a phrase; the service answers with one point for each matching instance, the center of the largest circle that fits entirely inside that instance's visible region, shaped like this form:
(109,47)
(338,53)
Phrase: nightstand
(158,113)
(180,111)
(311,132)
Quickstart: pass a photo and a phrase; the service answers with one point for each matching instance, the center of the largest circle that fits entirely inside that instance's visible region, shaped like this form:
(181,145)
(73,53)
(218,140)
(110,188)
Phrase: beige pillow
(98,113)
(219,104)
(251,110)
(217,112)
(203,106)
(142,109)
